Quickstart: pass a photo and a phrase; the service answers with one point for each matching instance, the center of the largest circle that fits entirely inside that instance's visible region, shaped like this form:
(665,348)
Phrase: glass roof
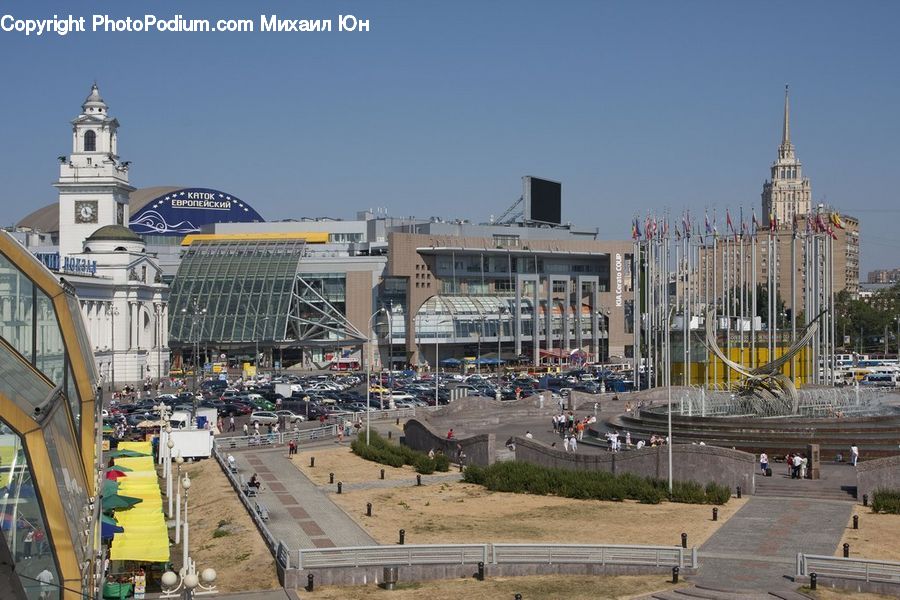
(242,290)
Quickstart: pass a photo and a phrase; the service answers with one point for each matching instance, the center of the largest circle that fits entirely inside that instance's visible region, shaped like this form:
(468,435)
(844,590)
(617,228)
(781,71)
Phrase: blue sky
(443,106)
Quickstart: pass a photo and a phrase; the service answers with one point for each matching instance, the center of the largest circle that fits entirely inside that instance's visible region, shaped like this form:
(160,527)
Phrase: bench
(249,491)
(262,511)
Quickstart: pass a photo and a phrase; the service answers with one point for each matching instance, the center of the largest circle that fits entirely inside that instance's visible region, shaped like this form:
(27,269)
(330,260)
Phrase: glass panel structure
(50,350)
(20,383)
(245,288)
(24,523)
(16,308)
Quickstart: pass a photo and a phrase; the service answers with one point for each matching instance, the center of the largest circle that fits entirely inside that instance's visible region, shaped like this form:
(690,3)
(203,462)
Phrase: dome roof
(94,101)
(114,233)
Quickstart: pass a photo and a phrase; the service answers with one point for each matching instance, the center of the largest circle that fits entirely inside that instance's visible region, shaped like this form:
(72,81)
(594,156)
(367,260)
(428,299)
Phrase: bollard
(310,582)
(855,521)
(398,420)
(368,509)
(675,571)
(684,540)
(846,550)
(418,480)
(340,486)
(331,478)
(480,571)
(813,580)
(518,597)
(715,514)
(312,461)
(738,491)
(389,435)
(402,536)
(382,473)
(865,499)
(460,468)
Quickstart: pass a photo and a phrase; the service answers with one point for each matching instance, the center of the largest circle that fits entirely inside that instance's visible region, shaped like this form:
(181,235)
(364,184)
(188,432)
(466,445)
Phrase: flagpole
(753,358)
(794,296)
(636,307)
(715,309)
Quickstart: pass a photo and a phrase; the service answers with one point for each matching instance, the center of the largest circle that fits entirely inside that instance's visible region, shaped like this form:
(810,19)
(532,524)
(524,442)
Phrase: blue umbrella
(451,361)
(107,530)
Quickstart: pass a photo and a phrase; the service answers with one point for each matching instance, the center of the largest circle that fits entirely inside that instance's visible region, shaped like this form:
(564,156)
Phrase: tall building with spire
(787,194)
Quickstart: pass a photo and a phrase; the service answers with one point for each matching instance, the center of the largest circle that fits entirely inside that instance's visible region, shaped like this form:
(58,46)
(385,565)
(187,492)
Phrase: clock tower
(93,182)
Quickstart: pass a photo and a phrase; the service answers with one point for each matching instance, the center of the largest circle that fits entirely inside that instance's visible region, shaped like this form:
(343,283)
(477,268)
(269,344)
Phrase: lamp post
(256,357)
(170,443)
(502,310)
(196,313)
(179,460)
(390,321)
(112,311)
(368,370)
(158,309)
(187,583)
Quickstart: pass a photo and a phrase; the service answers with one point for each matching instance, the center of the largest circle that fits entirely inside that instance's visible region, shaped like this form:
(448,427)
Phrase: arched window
(90,141)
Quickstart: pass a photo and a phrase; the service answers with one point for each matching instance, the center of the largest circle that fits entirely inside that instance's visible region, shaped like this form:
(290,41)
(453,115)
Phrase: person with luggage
(763,462)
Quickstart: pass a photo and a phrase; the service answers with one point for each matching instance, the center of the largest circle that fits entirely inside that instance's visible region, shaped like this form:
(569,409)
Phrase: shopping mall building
(197,270)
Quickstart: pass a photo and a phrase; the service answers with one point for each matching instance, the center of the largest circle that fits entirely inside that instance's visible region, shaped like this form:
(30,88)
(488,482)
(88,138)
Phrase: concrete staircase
(834,485)
(707,593)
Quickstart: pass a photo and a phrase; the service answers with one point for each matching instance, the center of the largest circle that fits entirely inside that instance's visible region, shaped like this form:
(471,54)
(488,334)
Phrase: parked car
(263,417)
(234,409)
(289,416)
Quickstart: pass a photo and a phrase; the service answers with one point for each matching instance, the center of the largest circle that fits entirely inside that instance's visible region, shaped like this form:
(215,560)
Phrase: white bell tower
(93,183)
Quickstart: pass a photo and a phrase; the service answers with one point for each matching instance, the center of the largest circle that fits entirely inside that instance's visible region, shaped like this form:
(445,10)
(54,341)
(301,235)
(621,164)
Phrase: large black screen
(546,201)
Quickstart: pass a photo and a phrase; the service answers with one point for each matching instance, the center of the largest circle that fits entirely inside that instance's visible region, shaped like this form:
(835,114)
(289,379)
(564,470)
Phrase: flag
(728,222)
(832,233)
(820,223)
(836,220)
(743,228)
(686,224)
(755,223)
(635,229)
(773,221)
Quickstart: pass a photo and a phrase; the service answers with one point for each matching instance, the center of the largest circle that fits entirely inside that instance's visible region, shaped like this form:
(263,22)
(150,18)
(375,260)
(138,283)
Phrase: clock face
(86,211)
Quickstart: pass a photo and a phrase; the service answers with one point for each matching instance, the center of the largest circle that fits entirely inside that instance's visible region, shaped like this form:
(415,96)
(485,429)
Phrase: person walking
(45,578)
(763,462)
(565,442)
(573,442)
(246,429)
(854,454)
(231,423)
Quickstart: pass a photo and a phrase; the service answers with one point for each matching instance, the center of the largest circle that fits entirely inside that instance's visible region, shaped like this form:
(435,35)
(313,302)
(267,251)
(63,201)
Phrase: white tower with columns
(93,183)
(788,193)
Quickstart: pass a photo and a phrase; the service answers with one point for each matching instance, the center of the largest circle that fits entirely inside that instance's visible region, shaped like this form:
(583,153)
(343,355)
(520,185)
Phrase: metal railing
(237,442)
(848,568)
(547,554)
(377,556)
(658,556)
(270,540)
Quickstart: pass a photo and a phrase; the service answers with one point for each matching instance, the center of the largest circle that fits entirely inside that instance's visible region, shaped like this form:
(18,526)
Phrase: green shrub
(441,463)
(526,478)
(424,465)
(717,494)
(886,501)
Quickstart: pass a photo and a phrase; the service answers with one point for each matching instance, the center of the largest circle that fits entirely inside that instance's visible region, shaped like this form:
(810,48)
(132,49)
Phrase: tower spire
(786,128)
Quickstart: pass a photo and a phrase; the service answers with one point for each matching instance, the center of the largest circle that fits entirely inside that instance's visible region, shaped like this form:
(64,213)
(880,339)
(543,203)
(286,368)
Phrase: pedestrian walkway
(757,548)
(300,514)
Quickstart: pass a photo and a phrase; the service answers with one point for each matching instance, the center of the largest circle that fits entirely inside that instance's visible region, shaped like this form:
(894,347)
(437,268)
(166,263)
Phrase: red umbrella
(114,474)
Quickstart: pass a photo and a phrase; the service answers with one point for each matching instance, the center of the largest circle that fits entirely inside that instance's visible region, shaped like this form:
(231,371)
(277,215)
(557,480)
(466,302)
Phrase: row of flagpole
(719,272)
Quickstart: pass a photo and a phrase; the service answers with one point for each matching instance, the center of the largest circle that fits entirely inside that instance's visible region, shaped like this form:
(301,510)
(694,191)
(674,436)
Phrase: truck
(192,443)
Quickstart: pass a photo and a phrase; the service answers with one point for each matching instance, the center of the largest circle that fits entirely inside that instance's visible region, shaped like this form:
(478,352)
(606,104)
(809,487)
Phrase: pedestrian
(803,463)
(231,423)
(854,454)
(231,465)
(573,443)
(45,578)
(566,443)
(256,427)
(528,435)
(628,439)
(340,432)
(28,541)
(795,473)
(246,429)
(763,462)
(450,434)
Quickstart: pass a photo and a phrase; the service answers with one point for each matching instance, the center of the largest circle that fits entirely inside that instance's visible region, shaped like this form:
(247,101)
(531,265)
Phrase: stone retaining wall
(874,474)
(479,449)
(689,463)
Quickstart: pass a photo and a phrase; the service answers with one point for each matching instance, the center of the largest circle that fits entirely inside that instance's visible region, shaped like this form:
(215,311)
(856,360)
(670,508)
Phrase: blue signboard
(185,211)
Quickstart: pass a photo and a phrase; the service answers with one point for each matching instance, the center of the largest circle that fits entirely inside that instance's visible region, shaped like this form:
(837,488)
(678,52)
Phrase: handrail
(430,554)
(868,570)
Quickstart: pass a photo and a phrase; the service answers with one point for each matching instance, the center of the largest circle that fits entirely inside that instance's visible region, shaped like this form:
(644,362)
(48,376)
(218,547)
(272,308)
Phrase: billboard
(185,211)
(543,200)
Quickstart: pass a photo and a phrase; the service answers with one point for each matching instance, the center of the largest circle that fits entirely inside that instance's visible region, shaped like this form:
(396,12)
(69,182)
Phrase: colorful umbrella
(123,453)
(114,474)
(107,531)
(122,468)
(116,502)
(110,488)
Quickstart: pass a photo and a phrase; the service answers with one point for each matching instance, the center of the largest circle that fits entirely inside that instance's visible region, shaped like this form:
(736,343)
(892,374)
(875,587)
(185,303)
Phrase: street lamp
(158,309)
(256,358)
(369,369)
(196,313)
(112,311)
(501,310)
(187,582)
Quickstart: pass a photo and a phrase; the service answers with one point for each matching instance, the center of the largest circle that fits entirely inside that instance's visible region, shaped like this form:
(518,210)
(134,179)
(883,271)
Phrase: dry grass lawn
(347,467)
(466,513)
(838,594)
(876,537)
(237,552)
(570,587)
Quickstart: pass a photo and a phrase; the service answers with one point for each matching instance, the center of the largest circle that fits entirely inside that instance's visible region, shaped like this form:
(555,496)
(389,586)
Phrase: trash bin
(389,580)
